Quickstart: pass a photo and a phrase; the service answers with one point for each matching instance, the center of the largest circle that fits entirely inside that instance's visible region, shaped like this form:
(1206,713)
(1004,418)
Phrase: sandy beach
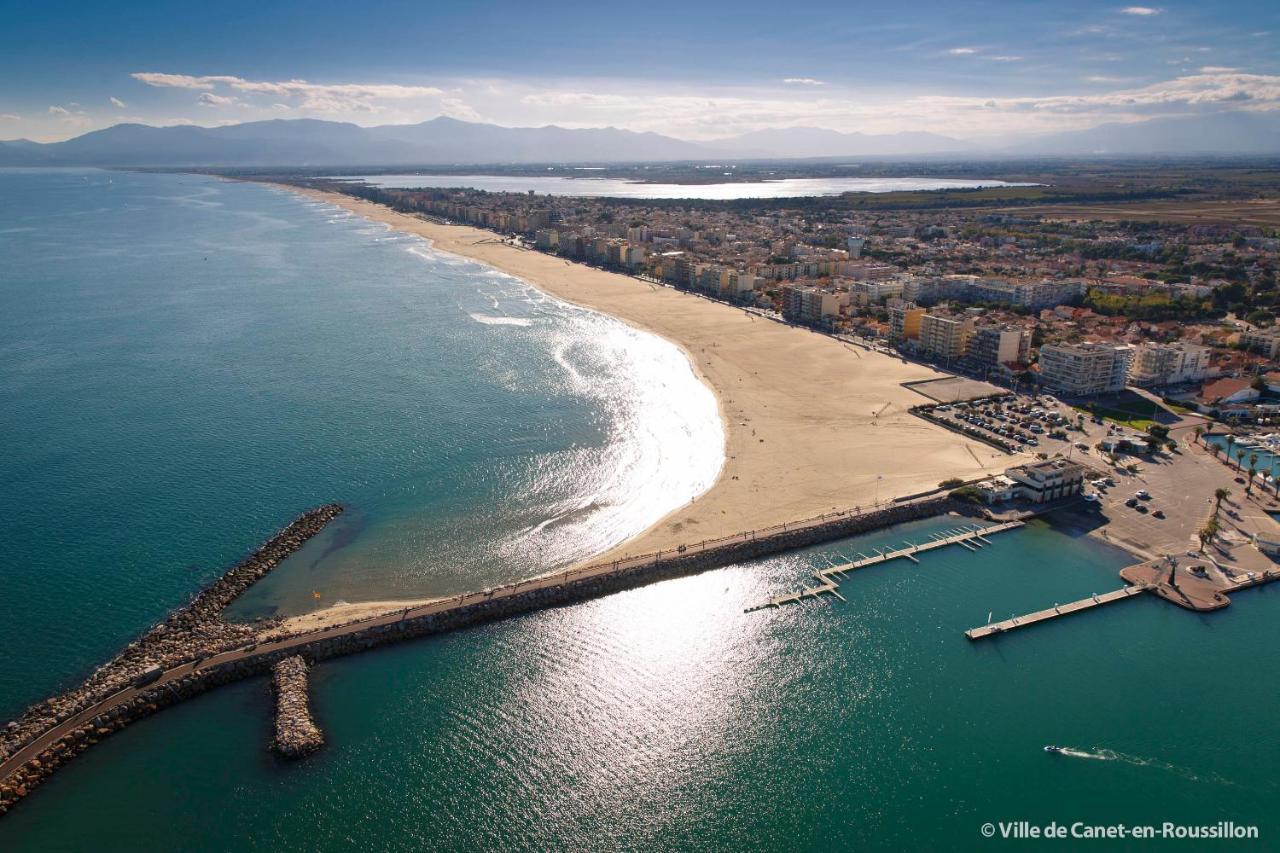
(812,424)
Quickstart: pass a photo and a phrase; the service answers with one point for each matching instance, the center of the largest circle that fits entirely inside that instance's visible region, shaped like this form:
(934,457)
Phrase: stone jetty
(296,733)
(194,650)
(189,634)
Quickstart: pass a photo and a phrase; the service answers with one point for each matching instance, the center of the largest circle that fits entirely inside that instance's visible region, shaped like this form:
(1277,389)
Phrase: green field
(1128,409)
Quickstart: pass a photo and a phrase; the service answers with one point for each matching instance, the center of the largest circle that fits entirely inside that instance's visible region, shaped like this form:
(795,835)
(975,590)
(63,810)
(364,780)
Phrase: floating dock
(972,537)
(1054,612)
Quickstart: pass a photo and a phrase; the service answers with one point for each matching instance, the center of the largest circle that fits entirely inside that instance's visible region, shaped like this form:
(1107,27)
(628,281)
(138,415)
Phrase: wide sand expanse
(812,424)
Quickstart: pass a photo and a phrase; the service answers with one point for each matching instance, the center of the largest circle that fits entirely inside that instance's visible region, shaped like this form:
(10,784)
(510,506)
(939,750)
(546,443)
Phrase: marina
(972,537)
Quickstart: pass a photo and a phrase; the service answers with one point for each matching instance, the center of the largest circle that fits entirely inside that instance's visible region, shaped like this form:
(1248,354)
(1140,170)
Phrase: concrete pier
(964,536)
(1054,612)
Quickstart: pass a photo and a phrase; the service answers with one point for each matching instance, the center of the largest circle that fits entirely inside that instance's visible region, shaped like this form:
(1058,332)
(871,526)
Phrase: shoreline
(811,425)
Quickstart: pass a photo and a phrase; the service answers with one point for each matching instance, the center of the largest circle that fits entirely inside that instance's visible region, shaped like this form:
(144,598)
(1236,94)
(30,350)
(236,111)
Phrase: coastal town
(505,426)
(1082,307)
(1053,375)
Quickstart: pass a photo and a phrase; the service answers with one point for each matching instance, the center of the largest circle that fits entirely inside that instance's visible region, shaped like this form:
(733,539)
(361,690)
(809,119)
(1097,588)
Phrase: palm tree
(1231,440)
(1207,533)
(1215,450)
(1253,469)
(1199,431)
(1219,496)
(1240,454)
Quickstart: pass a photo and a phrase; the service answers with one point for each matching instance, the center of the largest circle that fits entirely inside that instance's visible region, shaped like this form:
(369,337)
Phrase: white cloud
(1141,11)
(116,102)
(179,81)
(706,112)
(297,94)
(71,117)
(459,109)
(209,99)
(802,81)
(719,113)
(1003,58)
(9,117)
(963,51)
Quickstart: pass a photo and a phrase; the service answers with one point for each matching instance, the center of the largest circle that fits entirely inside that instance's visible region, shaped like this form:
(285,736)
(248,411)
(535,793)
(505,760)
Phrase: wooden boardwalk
(972,537)
(1054,612)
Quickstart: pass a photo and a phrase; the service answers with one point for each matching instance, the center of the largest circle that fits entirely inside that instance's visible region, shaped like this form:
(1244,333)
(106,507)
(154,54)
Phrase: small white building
(1049,480)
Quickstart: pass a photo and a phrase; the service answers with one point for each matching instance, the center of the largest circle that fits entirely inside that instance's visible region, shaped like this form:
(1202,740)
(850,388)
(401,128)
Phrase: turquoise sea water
(161,419)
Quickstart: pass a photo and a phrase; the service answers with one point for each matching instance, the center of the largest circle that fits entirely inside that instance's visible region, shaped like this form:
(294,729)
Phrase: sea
(590,187)
(187,363)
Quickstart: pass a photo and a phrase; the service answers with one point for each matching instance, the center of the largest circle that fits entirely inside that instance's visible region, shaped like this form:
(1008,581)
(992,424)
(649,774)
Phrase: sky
(973,70)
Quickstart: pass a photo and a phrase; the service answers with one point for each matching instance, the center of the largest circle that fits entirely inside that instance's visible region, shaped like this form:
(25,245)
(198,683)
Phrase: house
(1220,392)
(997,489)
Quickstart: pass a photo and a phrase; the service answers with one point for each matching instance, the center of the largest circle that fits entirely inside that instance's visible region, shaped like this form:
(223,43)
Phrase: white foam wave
(490,320)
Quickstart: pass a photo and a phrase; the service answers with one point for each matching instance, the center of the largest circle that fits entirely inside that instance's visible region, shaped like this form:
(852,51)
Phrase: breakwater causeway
(193,650)
(296,732)
(119,691)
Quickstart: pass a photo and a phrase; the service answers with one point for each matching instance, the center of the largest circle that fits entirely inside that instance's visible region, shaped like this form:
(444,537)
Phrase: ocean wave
(490,320)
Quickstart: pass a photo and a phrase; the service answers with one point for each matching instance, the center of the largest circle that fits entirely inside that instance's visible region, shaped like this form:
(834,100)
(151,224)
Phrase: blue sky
(695,70)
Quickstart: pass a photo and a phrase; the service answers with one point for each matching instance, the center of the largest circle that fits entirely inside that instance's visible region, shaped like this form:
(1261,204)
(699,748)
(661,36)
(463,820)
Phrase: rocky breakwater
(296,733)
(603,579)
(190,633)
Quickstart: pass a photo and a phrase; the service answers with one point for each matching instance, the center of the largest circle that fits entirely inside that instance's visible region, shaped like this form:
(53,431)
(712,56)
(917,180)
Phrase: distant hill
(446,141)
(310,142)
(1225,133)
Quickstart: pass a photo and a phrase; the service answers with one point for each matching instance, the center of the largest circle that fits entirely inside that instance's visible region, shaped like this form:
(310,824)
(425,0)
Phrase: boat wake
(1101,754)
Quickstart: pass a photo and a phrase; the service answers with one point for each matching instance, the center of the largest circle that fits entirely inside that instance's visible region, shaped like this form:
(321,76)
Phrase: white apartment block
(971,288)
(1085,369)
(1264,341)
(873,292)
(1169,364)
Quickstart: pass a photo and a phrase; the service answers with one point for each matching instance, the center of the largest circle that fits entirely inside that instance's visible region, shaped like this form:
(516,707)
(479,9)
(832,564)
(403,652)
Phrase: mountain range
(448,141)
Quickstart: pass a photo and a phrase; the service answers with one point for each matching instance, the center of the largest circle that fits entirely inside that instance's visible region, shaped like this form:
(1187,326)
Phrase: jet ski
(1052,748)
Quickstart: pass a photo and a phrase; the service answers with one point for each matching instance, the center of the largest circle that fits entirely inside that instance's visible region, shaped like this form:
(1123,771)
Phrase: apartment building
(992,346)
(1033,295)
(1169,364)
(872,291)
(904,322)
(1264,341)
(1085,369)
(812,305)
(944,336)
